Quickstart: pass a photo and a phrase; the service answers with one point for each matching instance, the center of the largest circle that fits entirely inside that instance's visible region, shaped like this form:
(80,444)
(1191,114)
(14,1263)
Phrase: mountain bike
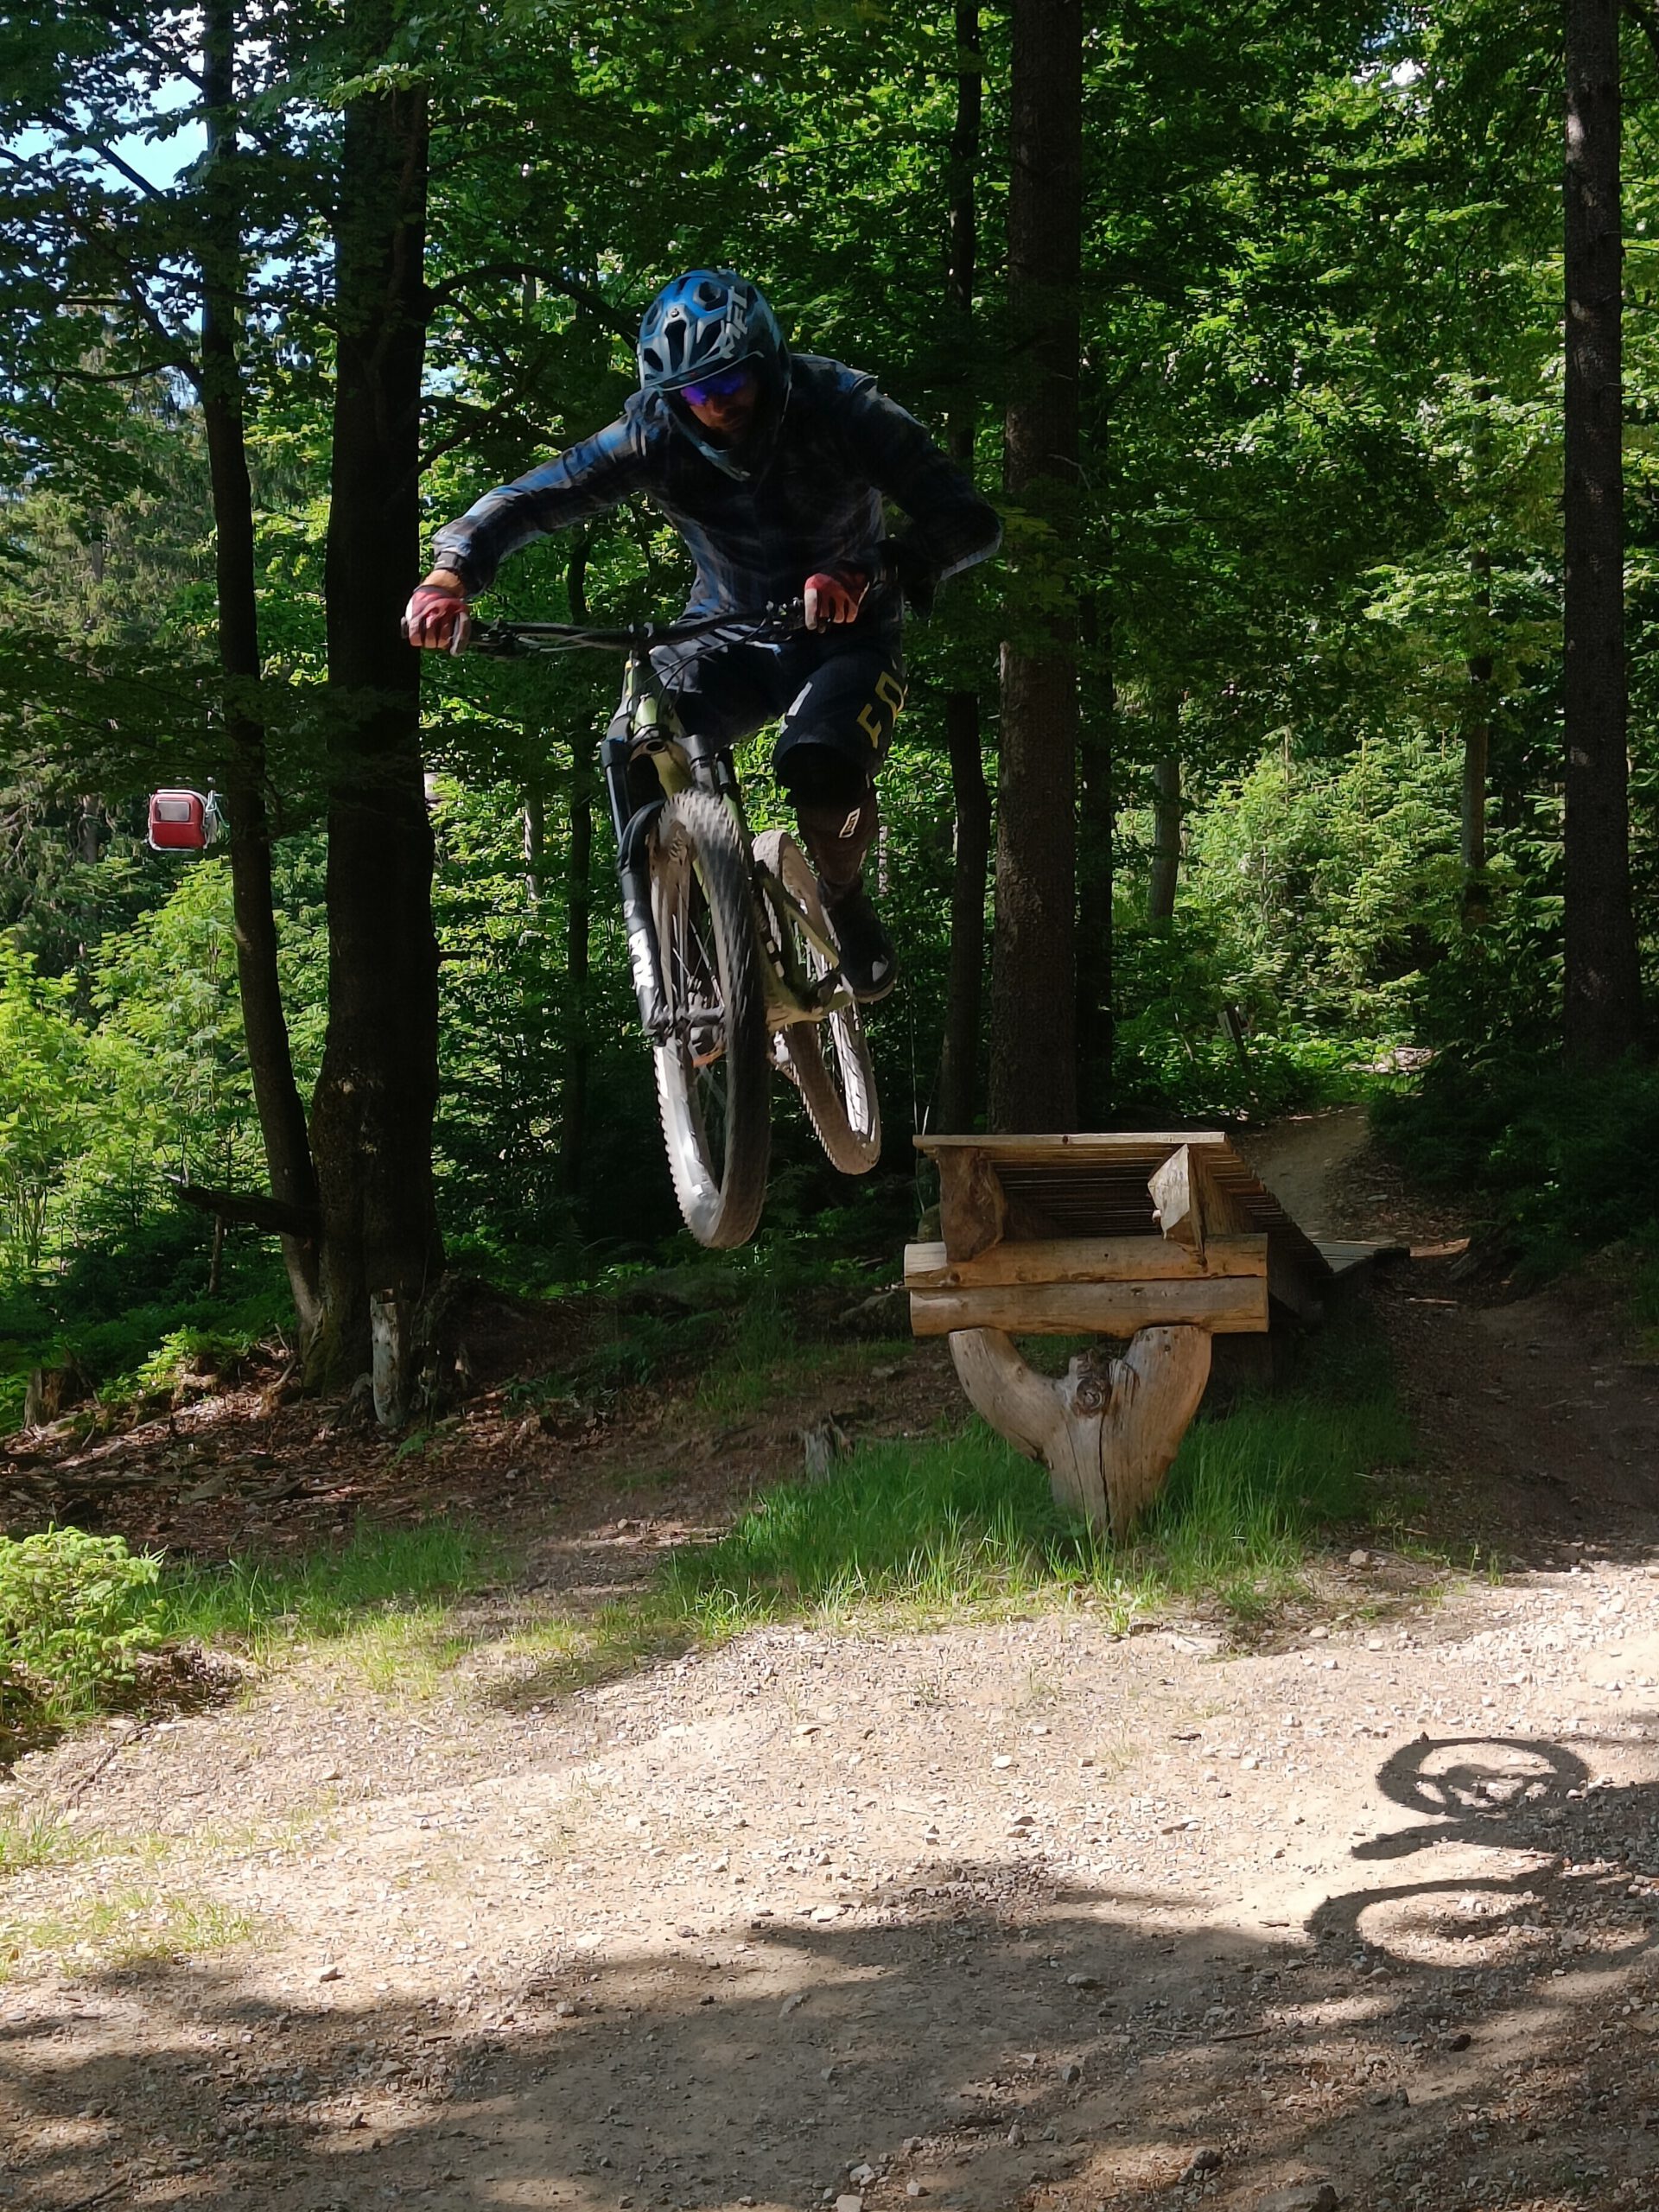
(734,962)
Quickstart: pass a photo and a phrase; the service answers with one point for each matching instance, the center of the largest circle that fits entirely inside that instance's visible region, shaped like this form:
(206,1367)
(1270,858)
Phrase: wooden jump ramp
(1167,1240)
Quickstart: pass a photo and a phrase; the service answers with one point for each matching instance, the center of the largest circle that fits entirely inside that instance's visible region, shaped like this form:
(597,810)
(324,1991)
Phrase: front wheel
(829,1060)
(712,1071)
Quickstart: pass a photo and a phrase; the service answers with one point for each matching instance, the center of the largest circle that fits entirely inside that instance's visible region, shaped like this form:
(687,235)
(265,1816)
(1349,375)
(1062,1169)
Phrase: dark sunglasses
(720,387)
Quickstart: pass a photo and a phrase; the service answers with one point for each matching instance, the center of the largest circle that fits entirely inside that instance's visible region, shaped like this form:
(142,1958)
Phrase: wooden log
(1108,1430)
(973,1209)
(1233,1303)
(1083,1259)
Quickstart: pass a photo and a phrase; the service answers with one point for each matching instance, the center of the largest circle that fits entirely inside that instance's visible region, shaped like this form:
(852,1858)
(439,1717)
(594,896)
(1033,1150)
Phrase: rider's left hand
(834,595)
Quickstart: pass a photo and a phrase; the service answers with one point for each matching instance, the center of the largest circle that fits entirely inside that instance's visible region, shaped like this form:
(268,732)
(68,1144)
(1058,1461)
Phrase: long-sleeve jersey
(813,501)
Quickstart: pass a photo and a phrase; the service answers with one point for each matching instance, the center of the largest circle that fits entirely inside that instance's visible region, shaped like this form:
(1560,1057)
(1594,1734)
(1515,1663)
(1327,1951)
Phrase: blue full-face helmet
(704,323)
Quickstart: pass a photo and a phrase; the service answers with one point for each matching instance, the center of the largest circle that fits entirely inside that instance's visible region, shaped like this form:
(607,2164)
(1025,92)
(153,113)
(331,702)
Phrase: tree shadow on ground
(990,2035)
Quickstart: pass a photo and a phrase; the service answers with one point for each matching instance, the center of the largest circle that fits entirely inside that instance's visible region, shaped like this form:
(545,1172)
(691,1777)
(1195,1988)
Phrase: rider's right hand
(436,618)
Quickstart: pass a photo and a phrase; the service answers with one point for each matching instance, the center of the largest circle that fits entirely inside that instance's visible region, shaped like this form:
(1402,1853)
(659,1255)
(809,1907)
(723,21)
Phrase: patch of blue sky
(161,144)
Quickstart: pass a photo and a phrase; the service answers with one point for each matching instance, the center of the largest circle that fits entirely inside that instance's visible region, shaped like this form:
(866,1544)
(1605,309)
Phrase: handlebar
(509,640)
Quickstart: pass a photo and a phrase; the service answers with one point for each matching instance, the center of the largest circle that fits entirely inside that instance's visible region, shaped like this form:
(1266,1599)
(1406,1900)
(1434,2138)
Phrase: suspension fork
(633,826)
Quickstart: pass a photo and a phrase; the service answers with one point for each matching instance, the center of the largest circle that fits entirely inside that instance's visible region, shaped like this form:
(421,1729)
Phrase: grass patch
(324,1595)
(406,1654)
(40,1840)
(965,1521)
(562,1654)
(962,1521)
(78,1614)
(133,1928)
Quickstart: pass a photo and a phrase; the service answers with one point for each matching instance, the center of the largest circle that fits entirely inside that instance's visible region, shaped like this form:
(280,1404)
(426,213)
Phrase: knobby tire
(829,1060)
(713,1074)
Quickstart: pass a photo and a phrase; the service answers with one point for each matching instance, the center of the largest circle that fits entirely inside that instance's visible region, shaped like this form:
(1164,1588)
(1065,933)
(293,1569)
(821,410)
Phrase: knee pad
(821,775)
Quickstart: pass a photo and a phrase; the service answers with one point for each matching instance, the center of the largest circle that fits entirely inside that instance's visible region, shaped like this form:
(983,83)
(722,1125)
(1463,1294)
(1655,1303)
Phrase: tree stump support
(1165,1240)
(1108,1430)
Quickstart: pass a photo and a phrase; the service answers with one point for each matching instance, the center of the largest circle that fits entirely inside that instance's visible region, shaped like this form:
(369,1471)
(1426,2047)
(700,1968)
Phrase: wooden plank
(1189,1203)
(1095,1185)
(973,1211)
(1083,1259)
(1234,1304)
(1177,1191)
(1103,1142)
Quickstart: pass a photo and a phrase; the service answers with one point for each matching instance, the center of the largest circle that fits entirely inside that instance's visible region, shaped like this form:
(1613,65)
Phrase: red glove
(436,619)
(834,595)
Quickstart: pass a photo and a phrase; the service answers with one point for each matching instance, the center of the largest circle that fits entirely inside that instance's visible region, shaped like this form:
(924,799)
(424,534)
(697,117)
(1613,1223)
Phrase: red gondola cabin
(181,822)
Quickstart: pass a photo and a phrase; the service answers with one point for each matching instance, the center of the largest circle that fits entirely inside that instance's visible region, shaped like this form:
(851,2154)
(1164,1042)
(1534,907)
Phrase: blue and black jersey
(812,499)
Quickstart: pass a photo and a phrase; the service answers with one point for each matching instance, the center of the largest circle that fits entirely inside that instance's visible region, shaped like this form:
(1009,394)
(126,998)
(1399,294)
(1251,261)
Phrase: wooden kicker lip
(1033,1188)
(1163,1238)
(1049,1147)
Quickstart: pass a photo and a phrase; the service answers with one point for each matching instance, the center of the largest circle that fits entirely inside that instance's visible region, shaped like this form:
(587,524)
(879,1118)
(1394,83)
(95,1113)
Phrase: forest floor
(1010,1911)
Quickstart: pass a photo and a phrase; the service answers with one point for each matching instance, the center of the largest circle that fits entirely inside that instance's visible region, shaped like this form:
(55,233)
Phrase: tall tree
(959,1054)
(372,1117)
(1033,1044)
(270,1062)
(1603,986)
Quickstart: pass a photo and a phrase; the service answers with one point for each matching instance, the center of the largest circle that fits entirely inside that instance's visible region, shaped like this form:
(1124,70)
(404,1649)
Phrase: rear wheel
(711,1071)
(829,1060)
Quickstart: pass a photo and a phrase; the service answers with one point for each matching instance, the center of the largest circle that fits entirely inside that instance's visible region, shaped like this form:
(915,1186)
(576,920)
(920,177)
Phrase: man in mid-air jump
(772,467)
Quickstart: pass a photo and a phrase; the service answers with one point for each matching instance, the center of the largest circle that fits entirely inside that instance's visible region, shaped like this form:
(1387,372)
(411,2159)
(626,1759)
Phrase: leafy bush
(75,1611)
(1195,1035)
(1565,1162)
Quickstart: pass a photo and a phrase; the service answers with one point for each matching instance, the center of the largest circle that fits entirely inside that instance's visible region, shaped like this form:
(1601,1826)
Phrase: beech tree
(1602,999)
(1033,1009)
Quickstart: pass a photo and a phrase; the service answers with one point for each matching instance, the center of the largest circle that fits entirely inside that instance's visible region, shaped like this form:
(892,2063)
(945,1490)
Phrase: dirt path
(1021,1913)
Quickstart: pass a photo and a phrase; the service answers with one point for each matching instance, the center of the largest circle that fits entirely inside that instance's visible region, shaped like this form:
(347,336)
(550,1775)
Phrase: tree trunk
(1033,1051)
(964,988)
(1096,825)
(535,838)
(1166,840)
(271,1061)
(579,909)
(1476,759)
(1603,989)
(956,1093)
(372,1118)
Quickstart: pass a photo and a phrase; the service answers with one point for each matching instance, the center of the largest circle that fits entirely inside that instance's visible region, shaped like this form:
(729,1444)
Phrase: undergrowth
(76,1611)
(79,1614)
(255,1602)
(1565,1166)
(922,1529)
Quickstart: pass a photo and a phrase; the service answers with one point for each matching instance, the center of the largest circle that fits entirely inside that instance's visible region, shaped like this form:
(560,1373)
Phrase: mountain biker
(773,466)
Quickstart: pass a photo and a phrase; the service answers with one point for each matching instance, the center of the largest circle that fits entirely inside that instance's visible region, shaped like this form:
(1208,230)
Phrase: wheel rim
(698,1031)
(839,1035)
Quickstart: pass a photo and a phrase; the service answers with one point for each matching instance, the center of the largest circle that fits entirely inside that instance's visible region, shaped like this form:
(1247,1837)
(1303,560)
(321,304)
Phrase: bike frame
(646,727)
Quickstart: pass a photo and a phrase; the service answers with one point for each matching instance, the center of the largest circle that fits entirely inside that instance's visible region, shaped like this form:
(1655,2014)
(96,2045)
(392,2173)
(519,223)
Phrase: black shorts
(832,690)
